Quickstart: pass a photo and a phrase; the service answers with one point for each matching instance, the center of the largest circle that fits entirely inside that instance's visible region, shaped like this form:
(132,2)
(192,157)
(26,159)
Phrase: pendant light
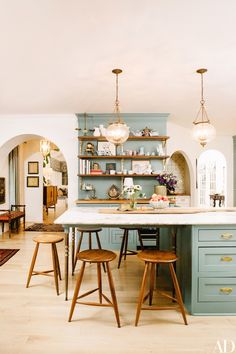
(203,130)
(117,132)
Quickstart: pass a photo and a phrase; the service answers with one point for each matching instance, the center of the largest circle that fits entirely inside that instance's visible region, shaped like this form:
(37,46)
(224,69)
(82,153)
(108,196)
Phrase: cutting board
(148,210)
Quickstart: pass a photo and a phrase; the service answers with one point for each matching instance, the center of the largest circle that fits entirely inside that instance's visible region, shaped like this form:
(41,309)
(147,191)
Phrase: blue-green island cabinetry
(207,269)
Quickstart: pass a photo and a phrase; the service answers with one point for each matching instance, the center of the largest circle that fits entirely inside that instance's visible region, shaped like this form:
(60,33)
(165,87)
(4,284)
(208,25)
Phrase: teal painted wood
(136,121)
(133,120)
(217,290)
(210,282)
(234,169)
(220,235)
(217,259)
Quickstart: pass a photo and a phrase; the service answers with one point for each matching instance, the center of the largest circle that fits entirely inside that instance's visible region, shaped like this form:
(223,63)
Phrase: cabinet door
(217,259)
(217,289)
(222,235)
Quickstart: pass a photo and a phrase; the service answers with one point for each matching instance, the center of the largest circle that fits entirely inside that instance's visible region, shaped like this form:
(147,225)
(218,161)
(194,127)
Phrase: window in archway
(211,175)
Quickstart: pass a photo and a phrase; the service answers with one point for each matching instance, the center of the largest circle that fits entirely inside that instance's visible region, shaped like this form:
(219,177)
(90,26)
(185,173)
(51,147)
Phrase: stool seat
(51,240)
(154,256)
(96,256)
(48,239)
(100,257)
(89,229)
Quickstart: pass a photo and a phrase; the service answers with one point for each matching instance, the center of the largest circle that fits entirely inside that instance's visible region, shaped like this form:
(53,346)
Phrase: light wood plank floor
(34,320)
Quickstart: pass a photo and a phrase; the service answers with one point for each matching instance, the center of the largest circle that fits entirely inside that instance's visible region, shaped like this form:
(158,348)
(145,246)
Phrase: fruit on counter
(157,197)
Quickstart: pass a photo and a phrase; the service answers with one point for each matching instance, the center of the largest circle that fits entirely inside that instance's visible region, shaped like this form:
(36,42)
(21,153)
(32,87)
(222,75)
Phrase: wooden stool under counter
(90,231)
(124,251)
(153,258)
(99,257)
(52,240)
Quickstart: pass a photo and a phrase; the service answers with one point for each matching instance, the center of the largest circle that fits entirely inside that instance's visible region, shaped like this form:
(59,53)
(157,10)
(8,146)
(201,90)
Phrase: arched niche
(178,165)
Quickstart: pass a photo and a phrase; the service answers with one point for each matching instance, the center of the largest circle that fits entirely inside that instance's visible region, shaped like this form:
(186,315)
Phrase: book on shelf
(84,167)
(96,172)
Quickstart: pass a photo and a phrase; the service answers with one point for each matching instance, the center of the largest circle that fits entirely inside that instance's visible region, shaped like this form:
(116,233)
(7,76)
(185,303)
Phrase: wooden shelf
(126,157)
(102,138)
(109,201)
(117,175)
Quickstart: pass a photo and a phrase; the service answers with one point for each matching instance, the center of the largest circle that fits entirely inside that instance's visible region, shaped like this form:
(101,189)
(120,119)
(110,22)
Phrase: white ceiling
(56,56)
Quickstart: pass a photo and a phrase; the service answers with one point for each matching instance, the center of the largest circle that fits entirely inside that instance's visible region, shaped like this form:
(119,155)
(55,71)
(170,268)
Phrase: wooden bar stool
(46,239)
(98,257)
(124,251)
(90,231)
(154,257)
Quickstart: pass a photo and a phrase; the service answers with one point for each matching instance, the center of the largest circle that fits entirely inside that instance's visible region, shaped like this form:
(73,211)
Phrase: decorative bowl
(160,204)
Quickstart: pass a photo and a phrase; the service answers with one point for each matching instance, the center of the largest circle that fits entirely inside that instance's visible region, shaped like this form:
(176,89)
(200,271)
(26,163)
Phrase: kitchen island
(206,245)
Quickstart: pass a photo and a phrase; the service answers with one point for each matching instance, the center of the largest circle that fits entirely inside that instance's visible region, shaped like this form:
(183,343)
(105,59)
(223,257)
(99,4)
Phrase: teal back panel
(136,121)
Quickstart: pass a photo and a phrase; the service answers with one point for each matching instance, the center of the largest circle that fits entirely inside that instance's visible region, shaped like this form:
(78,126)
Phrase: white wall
(181,139)
(33,196)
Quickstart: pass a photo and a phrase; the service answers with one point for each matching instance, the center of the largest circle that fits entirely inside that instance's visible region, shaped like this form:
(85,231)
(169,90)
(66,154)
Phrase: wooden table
(95,217)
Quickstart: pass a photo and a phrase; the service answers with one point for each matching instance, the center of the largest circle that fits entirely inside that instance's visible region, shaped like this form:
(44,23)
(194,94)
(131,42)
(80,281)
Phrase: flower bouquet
(168,180)
(133,193)
(159,201)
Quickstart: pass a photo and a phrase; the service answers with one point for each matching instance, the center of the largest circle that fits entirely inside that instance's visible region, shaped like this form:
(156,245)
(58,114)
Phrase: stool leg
(126,243)
(55,268)
(140,239)
(113,294)
(121,250)
(141,294)
(73,250)
(78,249)
(178,292)
(32,264)
(76,292)
(90,241)
(100,247)
(152,281)
(57,261)
(99,281)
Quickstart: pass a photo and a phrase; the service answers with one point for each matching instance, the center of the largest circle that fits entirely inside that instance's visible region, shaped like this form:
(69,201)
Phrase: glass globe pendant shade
(203,132)
(45,147)
(117,133)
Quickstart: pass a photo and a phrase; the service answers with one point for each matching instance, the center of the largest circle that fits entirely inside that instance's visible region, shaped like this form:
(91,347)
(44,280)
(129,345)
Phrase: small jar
(96,131)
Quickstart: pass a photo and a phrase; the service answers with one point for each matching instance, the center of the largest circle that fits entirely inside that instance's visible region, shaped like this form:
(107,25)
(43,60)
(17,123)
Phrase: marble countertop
(90,216)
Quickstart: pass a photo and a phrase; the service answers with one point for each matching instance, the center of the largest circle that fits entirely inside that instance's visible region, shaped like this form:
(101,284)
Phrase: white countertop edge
(85,216)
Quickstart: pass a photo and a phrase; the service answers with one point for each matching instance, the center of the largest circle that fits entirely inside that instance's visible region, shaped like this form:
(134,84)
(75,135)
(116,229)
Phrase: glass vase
(133,203)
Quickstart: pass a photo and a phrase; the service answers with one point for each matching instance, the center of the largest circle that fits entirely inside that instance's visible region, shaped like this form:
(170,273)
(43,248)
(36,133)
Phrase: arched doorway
(211,176)
(30,175)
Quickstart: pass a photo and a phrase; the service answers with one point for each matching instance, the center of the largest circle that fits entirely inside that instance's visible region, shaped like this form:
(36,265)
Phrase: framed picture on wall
(33,167)
(32,181)
(2,190)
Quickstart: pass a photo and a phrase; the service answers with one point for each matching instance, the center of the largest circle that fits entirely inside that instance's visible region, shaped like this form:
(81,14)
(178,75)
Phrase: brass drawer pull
(226,290)
(227,236)
(226,259)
